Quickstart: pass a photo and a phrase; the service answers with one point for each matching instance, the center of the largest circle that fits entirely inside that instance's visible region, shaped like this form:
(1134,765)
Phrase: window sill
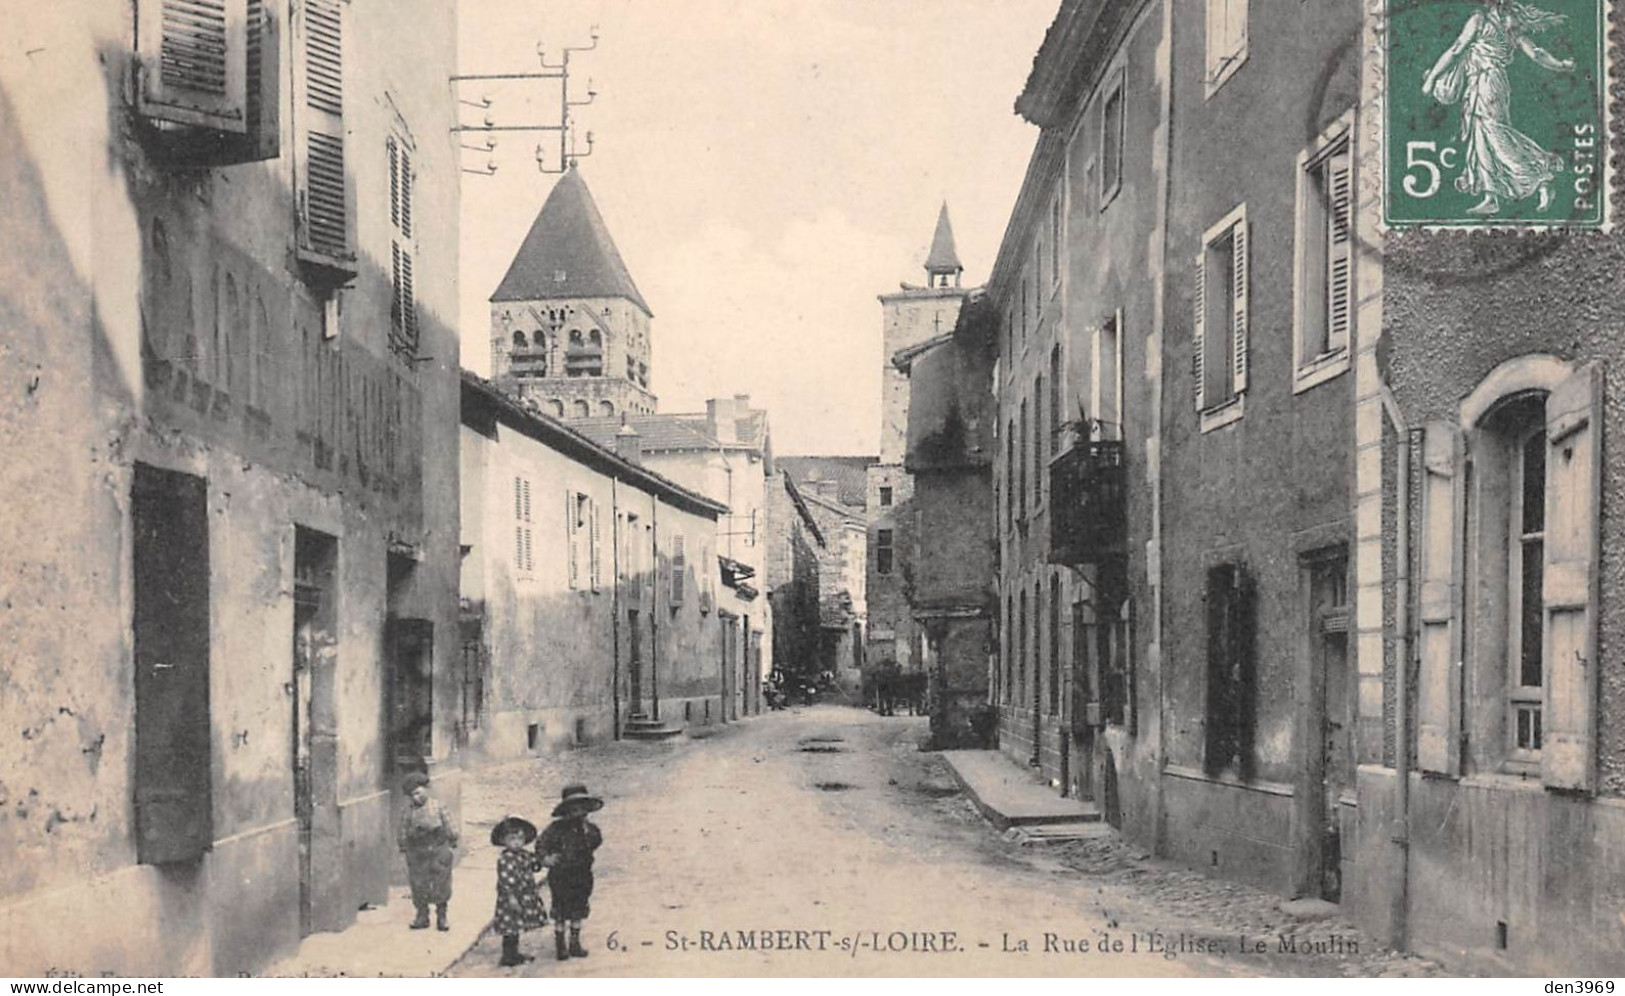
(1218,418)
(1319,370)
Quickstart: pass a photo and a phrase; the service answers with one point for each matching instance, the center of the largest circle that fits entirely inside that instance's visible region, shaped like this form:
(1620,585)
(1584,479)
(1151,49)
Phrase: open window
(1220,340)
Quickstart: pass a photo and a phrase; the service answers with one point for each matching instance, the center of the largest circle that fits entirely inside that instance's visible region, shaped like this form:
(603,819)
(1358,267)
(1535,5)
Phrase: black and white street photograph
(729,489)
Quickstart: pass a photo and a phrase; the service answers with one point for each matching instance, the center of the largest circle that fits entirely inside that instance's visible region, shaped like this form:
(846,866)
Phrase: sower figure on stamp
(429,840)
(1499,160)
(519,902)
(566,849)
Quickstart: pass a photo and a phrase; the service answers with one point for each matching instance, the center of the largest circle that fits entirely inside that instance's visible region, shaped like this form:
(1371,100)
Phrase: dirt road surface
(824,842)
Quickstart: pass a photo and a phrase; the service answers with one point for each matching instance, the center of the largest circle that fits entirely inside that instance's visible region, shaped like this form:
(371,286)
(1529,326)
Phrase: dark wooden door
(173,773)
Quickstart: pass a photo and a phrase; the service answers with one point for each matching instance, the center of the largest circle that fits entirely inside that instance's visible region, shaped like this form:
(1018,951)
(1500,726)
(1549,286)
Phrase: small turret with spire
(942,263)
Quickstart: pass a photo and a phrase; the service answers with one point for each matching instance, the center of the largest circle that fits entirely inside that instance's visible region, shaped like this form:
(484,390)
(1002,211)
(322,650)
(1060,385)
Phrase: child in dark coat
(519,902)
(566,848)
(428,838)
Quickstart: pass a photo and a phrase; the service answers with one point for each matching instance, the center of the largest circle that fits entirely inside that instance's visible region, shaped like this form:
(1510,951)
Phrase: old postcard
(811,488)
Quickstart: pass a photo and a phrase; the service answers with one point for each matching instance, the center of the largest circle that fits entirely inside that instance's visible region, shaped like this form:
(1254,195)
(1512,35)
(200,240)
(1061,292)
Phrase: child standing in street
(519,902)
(566,848)
(429,840)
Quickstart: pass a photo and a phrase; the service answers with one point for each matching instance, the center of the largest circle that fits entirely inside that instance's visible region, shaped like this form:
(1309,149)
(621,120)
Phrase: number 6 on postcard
(1496,113)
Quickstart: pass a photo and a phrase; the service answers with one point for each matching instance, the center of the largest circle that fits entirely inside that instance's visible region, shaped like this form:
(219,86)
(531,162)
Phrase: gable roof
(677,431)
(943,258)
(568,237)
(483,404)
(851,474)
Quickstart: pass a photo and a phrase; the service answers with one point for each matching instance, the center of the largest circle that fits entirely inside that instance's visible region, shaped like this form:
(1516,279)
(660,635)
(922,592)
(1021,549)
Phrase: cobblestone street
(824,842)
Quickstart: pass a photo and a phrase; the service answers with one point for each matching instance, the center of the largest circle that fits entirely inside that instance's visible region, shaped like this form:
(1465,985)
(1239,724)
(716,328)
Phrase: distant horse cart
(893,689)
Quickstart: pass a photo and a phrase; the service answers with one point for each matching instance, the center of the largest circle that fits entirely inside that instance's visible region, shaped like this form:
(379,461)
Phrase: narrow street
(822,841)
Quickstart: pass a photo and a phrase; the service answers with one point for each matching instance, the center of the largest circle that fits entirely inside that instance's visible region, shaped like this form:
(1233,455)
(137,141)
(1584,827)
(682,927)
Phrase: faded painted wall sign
(1495,113)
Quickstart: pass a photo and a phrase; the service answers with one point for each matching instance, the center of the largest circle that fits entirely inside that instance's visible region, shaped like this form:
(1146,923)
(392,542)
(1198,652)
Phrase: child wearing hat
(565,848)
(519,903)
(429,839)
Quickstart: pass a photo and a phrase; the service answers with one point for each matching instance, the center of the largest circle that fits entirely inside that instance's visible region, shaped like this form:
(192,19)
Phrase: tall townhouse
(1258,678)
(1489,419)
(227,280)
(1077,292)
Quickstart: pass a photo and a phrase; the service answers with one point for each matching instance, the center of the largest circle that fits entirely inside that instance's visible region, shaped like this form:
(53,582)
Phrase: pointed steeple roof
(944,258)
(569,252)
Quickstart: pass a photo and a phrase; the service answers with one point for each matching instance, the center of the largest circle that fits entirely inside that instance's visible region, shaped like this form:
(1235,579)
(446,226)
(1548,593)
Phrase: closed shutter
(403,308)
(1339,250)
(679,570)
(172,773)
(1238,247)
(1439,629)
(324,197)
(1573,538)
(194,62)
(572,538)
(1198,360)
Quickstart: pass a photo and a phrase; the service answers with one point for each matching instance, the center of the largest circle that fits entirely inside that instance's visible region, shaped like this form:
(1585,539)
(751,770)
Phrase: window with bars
(523,559)
(1220,346)
(1325,258)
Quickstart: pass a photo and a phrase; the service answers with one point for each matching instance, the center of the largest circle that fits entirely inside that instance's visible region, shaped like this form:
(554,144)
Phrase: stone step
(642,728)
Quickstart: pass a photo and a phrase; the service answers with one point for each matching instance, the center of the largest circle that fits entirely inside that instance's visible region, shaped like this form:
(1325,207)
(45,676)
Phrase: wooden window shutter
(572,535)
(324,196)
(595,554)
(1239,249)
(1198,331)
(1573,546)
(1438,619)
(194,62)
(173,777)
(679,570)
(1339,249)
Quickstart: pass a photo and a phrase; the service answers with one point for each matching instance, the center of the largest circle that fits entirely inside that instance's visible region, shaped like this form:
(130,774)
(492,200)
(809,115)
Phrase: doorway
(1330,768)
(314,748)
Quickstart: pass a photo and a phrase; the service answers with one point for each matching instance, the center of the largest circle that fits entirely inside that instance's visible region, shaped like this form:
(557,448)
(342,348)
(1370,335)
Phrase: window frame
(1311,371)
(1235,55)
(1517,693)
(1232,226)
(885,543)
(1111,173)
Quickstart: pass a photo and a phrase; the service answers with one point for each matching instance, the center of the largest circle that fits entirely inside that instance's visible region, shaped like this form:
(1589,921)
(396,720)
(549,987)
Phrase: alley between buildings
(823,841)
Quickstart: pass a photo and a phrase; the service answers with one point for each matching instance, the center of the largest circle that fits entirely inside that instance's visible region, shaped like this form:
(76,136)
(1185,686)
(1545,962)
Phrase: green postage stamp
(1496,113)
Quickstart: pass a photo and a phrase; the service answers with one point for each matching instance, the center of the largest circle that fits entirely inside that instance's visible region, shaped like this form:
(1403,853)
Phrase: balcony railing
(1088,513)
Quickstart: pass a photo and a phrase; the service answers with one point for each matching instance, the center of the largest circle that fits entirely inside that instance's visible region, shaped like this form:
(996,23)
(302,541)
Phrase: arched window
(558,407)
(1507,540)
(606,408)
(519,340)
(581,409)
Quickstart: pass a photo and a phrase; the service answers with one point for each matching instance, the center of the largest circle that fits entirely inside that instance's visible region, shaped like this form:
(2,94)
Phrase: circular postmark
(1471,250)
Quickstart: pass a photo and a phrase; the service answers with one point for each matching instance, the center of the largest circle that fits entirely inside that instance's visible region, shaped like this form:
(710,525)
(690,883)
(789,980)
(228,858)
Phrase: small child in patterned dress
(519,901)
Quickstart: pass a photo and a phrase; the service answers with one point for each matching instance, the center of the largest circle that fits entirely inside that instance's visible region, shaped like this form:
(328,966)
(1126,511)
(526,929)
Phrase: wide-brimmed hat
(508,824)
(414,780)
(576,799)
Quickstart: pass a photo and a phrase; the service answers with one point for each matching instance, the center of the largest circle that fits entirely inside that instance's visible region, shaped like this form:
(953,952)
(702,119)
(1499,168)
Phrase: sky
(767,169)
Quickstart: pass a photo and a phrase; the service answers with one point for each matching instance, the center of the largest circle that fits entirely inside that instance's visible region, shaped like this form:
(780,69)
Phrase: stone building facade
(831,489)
(726,454)
(951,589)
(909,316)
(232,503)
(569,328)
(586,594)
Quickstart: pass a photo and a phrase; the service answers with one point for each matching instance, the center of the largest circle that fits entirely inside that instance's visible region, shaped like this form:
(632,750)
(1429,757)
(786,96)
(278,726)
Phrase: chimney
(721,416)
(628,444)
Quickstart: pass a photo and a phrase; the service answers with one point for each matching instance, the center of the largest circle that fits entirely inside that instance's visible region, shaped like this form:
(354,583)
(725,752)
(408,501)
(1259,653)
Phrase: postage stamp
(1496,113)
